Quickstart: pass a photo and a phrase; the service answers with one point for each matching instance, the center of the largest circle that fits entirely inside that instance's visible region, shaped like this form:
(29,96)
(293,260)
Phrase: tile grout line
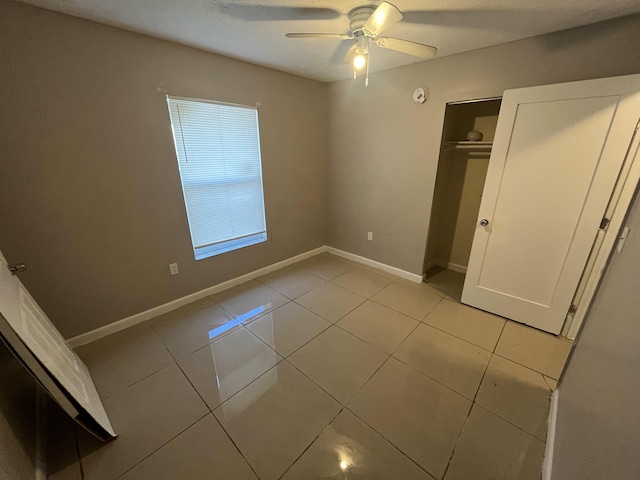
(525,366)
(314,382)
(216,418)
(473,404)
(345,407)
(509,422)
(163,445)
(389,441)
(76,442)
(312,442)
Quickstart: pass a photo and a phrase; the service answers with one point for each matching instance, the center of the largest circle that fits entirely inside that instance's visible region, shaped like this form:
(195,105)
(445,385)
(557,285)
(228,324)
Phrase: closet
(521,212)
(462,169)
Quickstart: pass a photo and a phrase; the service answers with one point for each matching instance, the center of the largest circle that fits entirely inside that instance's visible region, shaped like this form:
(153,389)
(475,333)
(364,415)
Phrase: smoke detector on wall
(420,95)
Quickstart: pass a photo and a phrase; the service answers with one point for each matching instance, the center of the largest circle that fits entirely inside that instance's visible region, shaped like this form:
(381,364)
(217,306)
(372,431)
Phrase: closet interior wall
(462,168)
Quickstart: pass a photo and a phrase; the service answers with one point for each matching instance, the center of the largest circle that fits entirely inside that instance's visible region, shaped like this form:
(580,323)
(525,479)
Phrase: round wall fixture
(420,95)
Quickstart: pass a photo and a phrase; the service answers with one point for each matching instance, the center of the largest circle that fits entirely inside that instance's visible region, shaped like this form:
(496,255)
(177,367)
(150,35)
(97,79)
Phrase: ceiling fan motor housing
(358,17)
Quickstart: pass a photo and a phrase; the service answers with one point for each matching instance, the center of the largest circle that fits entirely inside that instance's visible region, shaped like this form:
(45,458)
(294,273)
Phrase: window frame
(236,243)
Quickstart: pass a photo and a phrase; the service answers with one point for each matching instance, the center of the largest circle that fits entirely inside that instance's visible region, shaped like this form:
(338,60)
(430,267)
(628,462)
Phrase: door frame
(462,98)
(604,246)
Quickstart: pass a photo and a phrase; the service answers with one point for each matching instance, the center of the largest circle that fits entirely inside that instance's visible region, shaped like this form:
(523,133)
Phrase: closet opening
(467,138)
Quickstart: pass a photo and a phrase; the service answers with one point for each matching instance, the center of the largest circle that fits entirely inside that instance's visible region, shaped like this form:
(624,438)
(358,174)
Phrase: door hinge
(604,223)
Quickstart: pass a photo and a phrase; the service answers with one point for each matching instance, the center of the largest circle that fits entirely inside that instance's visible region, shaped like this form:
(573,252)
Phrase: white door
(557,152)
(42,349)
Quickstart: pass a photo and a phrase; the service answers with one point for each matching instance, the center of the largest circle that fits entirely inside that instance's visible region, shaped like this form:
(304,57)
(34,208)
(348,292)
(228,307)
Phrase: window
(218,152)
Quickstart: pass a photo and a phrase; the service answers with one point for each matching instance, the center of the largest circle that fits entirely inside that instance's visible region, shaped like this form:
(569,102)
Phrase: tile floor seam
(526,366)
(368,380)
(546,379)
(432,309)
(459,338)
(431,378)
(500,336)
(263,314)
(475,399)
(311,443)
(234,444)
(368,297)
(245,327)
(327,280)
(194,387)
(484,374)
(311,339)
(76,442)
(137,381)
(216,418)
(389,442)
(161,446)
(453,451)
(360,339)
(314,382)
(225,335)
(376,346)
(340,318)
(473,403)
(405,338)
(282,359)
(511,423)
(286,296)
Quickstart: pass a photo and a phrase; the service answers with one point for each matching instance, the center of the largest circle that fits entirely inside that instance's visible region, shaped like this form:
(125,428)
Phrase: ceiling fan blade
(405,46)
(337,36)
(348,58)
(255,13)
(382,18)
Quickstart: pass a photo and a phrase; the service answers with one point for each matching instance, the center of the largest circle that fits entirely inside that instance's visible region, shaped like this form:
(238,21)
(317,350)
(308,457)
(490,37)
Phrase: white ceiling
(253,30)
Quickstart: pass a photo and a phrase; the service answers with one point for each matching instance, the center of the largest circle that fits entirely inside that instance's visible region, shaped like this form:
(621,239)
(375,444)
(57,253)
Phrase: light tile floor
(325,369)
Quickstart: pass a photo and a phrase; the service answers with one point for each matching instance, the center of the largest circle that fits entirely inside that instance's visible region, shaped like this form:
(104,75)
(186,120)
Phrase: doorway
(462,169)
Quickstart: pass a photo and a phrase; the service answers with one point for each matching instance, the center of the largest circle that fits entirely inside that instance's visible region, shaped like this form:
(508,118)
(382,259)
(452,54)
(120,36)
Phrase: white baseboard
(451,266)
(547,464)
(127,322)
(372,263)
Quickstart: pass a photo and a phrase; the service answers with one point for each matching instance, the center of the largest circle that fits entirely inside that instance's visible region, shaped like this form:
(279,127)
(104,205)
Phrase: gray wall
(598,424)
(17,419)
(91,197)
(384,147)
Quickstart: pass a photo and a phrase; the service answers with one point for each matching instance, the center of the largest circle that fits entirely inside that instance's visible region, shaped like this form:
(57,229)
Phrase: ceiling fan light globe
(359,61)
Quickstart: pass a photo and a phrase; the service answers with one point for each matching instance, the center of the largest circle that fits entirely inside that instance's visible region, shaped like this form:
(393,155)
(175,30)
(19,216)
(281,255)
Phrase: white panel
(30,332)
(557,153)
(553,154)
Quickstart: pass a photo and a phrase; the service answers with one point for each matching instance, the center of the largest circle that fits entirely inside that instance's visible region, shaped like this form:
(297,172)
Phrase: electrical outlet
(369,235)
(173,268)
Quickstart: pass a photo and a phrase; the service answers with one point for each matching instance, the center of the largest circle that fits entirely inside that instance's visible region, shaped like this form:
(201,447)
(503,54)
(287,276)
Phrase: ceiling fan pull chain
(366,80)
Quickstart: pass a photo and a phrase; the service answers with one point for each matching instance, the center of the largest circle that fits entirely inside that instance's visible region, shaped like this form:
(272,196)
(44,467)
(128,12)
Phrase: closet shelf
(470,146)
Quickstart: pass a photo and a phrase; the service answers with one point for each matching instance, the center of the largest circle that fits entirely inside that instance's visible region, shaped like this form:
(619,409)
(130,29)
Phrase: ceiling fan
(366,24)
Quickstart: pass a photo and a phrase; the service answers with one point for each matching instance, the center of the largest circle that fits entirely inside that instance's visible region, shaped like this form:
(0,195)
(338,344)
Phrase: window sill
(229,246)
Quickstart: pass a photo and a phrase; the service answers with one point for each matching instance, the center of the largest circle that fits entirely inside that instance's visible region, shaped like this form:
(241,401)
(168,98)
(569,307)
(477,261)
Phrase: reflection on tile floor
(325,369)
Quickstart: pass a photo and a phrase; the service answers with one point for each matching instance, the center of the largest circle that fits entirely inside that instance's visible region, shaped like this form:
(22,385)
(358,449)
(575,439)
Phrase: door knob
(16,268)
(484,222)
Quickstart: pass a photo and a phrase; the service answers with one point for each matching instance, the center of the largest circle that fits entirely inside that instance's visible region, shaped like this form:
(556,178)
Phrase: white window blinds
(218,151)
